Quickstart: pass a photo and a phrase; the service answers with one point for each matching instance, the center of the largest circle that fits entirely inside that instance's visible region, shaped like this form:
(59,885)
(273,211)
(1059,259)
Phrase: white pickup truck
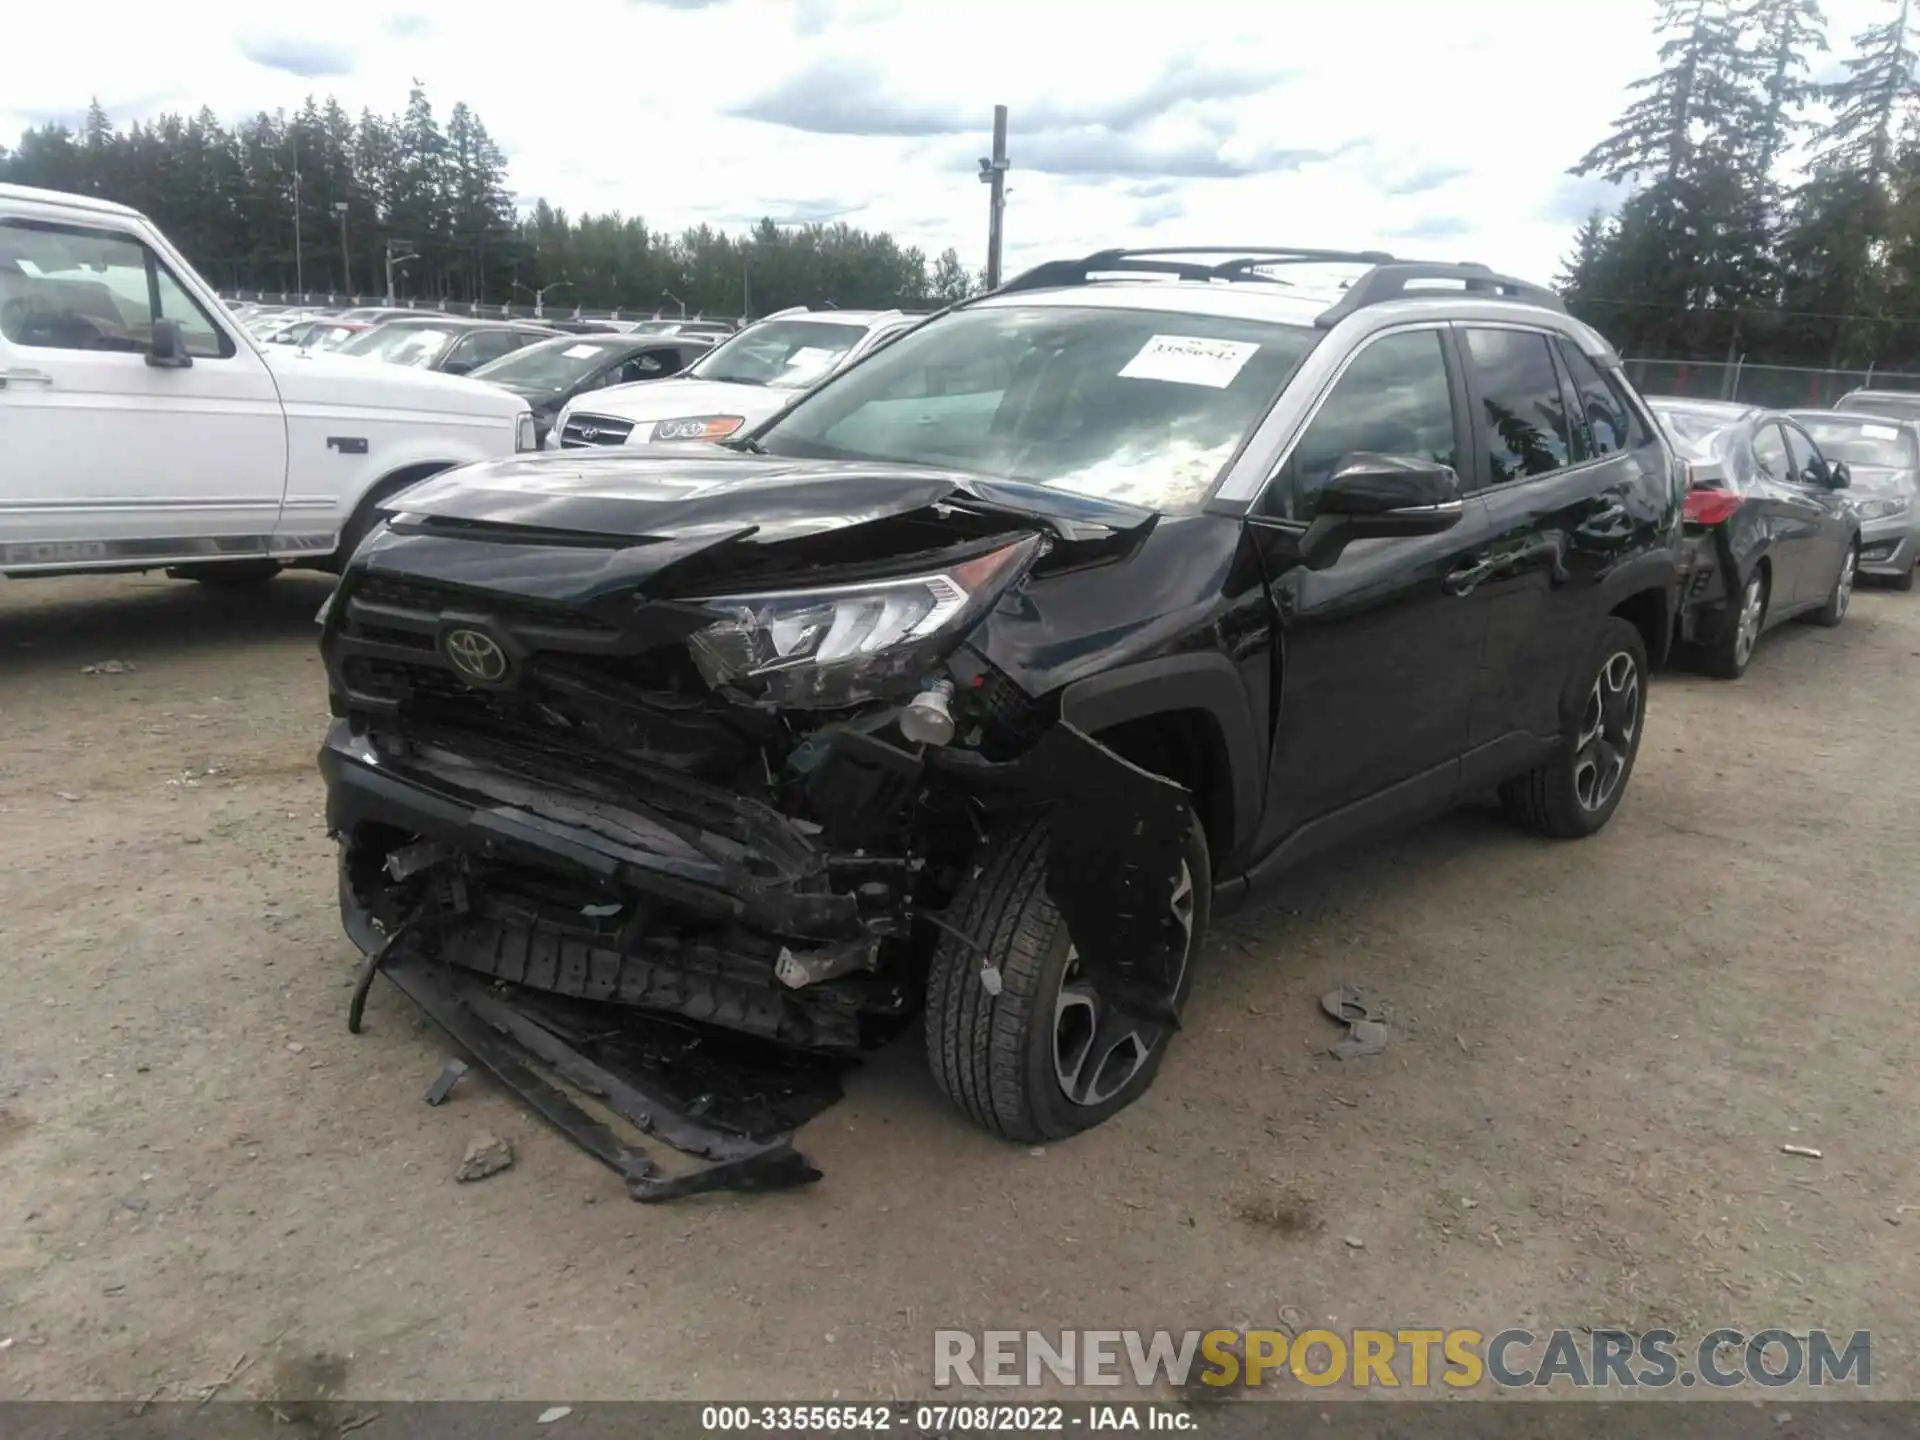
(142,427)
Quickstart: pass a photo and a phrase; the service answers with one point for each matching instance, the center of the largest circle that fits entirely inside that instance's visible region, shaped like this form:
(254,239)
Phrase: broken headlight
(839,644)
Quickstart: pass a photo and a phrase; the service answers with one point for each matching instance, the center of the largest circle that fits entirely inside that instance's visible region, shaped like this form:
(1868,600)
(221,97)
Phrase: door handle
(9,378)
(1463,580)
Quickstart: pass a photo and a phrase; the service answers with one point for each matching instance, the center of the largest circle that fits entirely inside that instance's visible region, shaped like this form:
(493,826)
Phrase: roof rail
(1391,282)
(1387,278)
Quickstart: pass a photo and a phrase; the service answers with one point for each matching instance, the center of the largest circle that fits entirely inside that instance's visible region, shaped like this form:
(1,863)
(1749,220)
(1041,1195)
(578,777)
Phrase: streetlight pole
(993,174)
(668,294)
(393,260)
(346,256)
(540,295)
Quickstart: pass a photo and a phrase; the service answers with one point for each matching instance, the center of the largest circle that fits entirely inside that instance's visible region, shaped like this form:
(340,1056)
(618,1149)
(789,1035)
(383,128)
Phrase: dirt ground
(1600,1051)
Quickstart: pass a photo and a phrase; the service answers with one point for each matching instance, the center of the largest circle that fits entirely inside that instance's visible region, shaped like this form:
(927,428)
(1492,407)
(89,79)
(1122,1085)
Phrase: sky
(1437,131)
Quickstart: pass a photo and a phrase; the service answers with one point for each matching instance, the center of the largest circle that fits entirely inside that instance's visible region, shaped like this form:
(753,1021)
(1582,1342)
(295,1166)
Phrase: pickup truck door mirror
(168,348)
(1839,477)
(1372,496)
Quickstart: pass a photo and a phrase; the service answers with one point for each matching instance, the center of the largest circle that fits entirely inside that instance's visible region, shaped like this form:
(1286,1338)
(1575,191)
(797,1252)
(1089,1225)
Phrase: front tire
(1834,611)
(1044,1058)
(1575,792)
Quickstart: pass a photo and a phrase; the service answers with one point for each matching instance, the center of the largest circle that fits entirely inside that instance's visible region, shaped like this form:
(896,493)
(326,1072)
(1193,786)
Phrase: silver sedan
(1884,455)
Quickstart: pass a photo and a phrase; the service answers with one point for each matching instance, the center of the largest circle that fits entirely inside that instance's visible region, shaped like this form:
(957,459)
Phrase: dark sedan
(1769,536)
(551,373)
(443,343)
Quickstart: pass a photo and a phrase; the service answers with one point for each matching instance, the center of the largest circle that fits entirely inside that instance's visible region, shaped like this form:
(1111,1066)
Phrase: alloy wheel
(1753,602)
(1096,1050)
(1607,728)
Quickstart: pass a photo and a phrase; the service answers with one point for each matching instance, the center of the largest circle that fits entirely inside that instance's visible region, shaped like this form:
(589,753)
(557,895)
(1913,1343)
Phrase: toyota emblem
(476,655)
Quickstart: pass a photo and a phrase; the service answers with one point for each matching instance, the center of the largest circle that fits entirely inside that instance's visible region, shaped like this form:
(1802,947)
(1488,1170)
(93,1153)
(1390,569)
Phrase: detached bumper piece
(747,1127)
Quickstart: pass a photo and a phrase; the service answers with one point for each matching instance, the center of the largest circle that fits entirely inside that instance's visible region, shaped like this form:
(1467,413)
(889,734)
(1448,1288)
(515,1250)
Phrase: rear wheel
(1727,657)
(227,575)
(1576,792)
(1045,1057)
(1835,610)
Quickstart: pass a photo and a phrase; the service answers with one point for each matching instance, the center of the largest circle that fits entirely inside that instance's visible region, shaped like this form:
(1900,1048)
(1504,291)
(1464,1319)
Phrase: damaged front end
(700,737)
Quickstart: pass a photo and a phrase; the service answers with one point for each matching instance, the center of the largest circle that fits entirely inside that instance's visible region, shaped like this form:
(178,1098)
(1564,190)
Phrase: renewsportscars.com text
(1412,1358)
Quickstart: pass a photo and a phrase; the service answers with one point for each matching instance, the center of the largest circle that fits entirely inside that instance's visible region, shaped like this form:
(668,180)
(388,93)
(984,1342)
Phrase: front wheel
(227,574)
(1835,610)
(1046,1057)
(1575,792)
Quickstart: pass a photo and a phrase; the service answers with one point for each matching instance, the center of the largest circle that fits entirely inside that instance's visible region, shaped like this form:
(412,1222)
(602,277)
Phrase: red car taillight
(1710,507)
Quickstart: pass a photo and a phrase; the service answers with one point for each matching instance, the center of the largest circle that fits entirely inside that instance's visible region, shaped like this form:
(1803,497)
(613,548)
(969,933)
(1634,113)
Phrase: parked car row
(1784,510)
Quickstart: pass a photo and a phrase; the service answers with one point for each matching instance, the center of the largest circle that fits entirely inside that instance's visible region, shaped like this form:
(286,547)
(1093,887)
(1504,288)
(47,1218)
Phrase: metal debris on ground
(486,1155)
(1367,1032)
(1806,1150)
(444,1082)
(553,1413)
(108,667)
(723,1097)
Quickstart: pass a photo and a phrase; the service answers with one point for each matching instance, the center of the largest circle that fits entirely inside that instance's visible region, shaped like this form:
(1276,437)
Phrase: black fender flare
(1205,682)
(1652,570)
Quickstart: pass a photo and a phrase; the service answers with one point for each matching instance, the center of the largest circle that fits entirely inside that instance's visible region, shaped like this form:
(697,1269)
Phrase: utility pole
(346,256)
(746,286)
(668,294)
(299,274)
(393,260)
(993,173)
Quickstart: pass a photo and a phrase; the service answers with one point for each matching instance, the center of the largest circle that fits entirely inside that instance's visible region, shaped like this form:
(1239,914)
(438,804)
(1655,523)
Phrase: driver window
(68,288)
(1394,399)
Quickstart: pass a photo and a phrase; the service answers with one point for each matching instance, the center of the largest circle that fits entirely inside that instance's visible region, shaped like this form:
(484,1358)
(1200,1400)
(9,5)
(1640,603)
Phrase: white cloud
(1370,123)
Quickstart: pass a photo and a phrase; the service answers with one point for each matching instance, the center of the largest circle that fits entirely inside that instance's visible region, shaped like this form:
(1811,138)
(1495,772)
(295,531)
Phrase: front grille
(584,430)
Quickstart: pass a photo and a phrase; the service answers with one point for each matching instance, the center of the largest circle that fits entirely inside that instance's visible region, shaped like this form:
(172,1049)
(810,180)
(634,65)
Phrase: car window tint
(1522,409)
(1394,399)
(1803,460)
(1770,452)
(72,288)
(1603,424)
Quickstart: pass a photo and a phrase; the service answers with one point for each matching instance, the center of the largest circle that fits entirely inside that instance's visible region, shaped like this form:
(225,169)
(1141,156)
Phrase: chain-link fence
(1775,386)
(523,311)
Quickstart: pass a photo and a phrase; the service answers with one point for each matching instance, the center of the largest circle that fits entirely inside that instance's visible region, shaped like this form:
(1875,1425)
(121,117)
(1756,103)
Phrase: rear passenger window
(1602,425)
(1522,407)
(1394,399)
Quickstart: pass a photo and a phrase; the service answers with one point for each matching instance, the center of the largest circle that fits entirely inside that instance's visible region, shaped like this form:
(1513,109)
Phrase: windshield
(416,345)
(332,337)
(1861,442)
(782,354)
(551,366)
(1141,406)
(1697,431)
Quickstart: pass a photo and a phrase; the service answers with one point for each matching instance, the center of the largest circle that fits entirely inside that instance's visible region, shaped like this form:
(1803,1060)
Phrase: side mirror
(1839,477)
(168,348)
(456,367)
(1374,496)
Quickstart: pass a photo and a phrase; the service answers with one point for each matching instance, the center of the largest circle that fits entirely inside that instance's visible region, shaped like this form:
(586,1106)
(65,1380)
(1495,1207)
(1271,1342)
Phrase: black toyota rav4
(972,685)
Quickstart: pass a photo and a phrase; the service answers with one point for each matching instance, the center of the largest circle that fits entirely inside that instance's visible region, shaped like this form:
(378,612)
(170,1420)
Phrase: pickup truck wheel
(1043,1058)
(1576,792)
(227,575)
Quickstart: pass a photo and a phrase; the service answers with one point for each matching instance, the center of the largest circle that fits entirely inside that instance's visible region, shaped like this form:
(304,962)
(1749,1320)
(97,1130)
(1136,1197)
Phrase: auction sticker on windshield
(580,352)
(1880,432)
(810,359)
(1189,360)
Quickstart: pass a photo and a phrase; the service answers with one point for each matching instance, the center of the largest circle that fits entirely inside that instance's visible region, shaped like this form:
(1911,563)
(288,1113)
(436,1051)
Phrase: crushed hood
(696,490)
(647,401)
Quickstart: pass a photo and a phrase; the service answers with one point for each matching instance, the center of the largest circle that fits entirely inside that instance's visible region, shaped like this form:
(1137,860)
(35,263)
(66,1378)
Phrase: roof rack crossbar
(1391,281)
